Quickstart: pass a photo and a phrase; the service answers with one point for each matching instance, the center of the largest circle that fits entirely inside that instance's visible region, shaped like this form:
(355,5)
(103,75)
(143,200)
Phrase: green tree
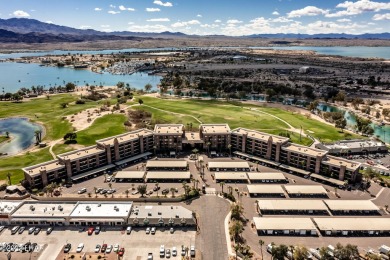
(70,87)
(64,105)
(157,187)
(348,252)
(7,134)
(236,229)
(9,178)
(173,192)
(222,184)
(120,84)
(342,123)
(140,101)
(300,253)
(127,193)
(148,87)
(38,136)
(261,243)
(142,189)
(279,252)
(324,254)
(237,211)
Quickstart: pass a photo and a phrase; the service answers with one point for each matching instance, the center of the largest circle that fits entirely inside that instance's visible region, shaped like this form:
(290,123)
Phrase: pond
(21,132)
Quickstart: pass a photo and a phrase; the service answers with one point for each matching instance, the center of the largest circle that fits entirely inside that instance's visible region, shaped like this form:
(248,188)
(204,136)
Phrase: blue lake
(22,133)
(18,75)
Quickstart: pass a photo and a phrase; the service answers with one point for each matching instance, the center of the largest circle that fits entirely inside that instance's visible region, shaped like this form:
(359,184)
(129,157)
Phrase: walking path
(166,111)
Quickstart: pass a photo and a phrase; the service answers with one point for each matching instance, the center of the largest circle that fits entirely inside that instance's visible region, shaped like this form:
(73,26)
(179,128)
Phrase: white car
(97,248)
(116,247)
(109,249)
(153,231)
(80,248)
(174,251)
(162,251)
(147,230)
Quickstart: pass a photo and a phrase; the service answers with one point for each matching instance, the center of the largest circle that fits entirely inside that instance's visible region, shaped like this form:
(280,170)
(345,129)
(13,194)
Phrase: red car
(90,231)
(104,247)
(121,251)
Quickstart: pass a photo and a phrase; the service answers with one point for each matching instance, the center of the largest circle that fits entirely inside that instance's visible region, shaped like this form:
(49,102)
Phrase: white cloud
(152,9)
(275,13)
(148,28)
(184,24)
(123,8)
(106,30)
(49,21)
(199,15)
(281,19)
(83,27)
(98,9)
(233,21)
(307,11)
(379,17)
(130,23)
(344,20)
(105,25)
(112,6)
(113,12)
(20,13)
(217,21)
(159,20)
(166,4)
(358,7)
(209,25)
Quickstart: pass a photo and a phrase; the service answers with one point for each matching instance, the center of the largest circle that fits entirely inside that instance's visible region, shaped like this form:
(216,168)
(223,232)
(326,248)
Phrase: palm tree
(89,194)
(173,192)
(193,182)
(185,187)
(127,193)
(386,207)
(110,185)
(222,184)
(9,178)
(236,229)
(7,134)
(236,249)
(279,252)
(261,243)
(38,136)
(156,184)
(197,183)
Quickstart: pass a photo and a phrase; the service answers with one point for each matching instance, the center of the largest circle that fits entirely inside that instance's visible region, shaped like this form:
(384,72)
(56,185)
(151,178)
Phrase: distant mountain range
(34,31)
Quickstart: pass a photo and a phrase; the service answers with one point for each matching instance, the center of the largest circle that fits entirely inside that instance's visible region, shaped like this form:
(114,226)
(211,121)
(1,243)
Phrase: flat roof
(230,176)
(228,165)
(91,172)
(338,162)
(172,129)
(281,223)
(101,209)
(324,178)
(356,224)
(159,211)
(129,175)
(7,207)
(291,204)
(305,189)
(266,189)
(264,137)
(353,144)
(49,166)
(252,157)
(168,175)
(351,205)
(126,137)
(40,209)
(81,153)
(133,158)
(305,150)
(266,176)
(166,164)
(215,128)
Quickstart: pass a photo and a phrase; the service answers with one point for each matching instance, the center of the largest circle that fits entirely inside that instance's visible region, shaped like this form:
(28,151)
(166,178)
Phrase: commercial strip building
(284,226)
(90,213)
(172,176)
(156,215)
(292,207)
(130,176)
(267,177)
(260,190)
(347,226)
(299,191)
(160,165)
(352,207)
(347,147)
(139,145)
(237,177)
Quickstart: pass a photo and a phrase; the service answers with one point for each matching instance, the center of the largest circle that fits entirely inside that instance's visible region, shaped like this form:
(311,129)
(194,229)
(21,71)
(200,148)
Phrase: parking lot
(137,245)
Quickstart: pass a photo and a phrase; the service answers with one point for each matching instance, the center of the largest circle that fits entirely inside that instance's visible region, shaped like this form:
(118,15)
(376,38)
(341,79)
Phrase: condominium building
(257,143)
(126,145)
(339,168)
(215,136)
(42,174)
(302,157)
(169,137)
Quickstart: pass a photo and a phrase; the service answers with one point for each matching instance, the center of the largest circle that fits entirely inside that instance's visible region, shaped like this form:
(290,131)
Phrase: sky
(208,17)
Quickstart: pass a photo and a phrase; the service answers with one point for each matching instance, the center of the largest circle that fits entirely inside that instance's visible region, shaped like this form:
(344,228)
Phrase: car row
(91,230)
(153,230)
(105,191)
(166,252)
(31,230)
(105,248)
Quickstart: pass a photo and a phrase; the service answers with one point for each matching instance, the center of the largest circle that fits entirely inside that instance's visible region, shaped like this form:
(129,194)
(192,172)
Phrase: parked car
(31,230)
(104,247)
(80,248)
(14,230)
(135,192)
(171,230)
(156,188)
(153,231)
(109,249)
(121,252)
(168,253)
(116,248)
(21,229)
(90,231)
(148,230)
(150,256)
(1,228)
(192,251)
(49,230)
(162,251)
(37,230)
(128,230)
(97,248)
(174,251)
(81,191)
(67,248)
(97,230)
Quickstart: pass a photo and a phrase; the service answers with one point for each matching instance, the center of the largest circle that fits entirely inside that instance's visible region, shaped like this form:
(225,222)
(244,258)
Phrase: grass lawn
(102,127)
(47,112)
(15,164)
(3,138)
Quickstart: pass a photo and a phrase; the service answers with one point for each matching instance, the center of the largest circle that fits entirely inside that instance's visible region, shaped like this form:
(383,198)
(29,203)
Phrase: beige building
(45,173)
(257,143)
(302,157)
(121,147)
(339,168)
(169,137)
(215,137)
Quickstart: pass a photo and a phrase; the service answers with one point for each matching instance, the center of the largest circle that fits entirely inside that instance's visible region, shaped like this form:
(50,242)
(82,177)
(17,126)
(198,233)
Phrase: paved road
(211,241)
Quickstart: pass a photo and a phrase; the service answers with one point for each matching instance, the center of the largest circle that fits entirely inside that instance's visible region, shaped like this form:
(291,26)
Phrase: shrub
(229,196)
(80,102)
(3,187)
